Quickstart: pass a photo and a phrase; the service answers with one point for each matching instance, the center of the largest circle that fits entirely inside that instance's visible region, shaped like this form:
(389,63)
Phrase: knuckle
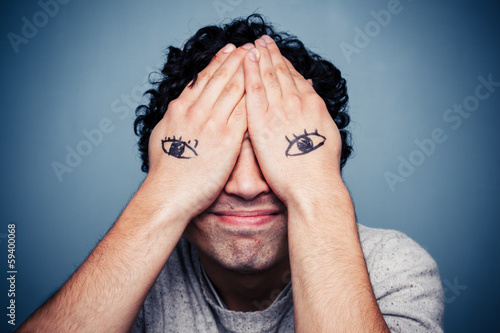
(294,101)
(256,87)
(232,87)
(217,60)
(297,75)
(212,126)
(281,68)
(193,111)
(175,105)
(220,74)
(315,100)
(219,57)
(204,75)
(269,75)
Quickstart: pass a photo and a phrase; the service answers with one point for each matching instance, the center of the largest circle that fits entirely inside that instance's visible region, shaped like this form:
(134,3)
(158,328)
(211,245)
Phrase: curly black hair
(183,66)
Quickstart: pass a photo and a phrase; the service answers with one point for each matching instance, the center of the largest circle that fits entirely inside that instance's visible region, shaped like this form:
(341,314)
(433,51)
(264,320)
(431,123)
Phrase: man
(244,206)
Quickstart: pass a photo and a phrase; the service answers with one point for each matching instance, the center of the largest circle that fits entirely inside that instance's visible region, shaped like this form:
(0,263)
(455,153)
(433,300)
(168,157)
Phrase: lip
(252,218)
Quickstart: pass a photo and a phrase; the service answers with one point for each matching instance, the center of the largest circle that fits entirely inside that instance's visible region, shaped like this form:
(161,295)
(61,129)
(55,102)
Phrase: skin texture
(255,214)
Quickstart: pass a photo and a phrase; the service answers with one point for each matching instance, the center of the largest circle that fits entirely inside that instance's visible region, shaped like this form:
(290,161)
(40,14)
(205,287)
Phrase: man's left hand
(295,140)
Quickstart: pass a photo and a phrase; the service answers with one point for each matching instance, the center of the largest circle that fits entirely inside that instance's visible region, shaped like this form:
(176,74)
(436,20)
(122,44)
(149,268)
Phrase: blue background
(89,62)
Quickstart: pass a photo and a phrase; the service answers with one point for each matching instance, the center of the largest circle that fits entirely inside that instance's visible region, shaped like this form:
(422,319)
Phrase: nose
(246,180)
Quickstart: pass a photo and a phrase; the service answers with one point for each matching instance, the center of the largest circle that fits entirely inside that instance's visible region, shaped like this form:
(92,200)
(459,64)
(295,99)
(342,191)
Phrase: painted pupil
(177,148)
(305,144)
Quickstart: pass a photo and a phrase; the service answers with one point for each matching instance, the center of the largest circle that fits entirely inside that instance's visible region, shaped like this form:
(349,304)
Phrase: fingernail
(248,46)
(261,42)
(253,54)
(228,48)
(267,39)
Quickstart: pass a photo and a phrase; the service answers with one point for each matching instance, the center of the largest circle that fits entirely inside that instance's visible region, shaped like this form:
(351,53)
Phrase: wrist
(313,192)
(327,201)
(154,197)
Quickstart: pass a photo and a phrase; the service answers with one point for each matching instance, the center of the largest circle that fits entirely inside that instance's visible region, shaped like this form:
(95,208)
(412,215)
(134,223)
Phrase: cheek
(193,233)
(204,234)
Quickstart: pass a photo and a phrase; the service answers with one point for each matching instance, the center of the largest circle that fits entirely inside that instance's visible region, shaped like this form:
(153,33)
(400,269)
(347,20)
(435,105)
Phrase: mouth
(247,218)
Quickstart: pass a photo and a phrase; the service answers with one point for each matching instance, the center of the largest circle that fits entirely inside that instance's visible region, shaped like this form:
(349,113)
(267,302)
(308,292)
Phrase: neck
(245,292)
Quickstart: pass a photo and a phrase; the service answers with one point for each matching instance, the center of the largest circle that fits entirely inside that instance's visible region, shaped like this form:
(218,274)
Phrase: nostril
(247,183)
(246,187)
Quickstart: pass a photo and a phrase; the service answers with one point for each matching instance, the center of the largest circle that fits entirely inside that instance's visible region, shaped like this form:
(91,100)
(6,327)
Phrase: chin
(240,250)
(248,256)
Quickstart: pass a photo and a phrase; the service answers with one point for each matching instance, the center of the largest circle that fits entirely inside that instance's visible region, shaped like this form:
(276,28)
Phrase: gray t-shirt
(404,277)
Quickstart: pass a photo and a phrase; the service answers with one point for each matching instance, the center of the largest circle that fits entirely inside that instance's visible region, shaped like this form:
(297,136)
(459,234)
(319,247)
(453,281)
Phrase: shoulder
(372,238)
(405,280)
(383,247)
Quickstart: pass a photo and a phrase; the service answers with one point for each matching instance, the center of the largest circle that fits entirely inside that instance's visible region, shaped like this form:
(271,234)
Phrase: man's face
(245,229)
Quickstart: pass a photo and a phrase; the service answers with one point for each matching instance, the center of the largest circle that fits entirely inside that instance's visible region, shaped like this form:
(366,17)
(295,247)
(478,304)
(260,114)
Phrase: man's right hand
(186,175)
(194,148)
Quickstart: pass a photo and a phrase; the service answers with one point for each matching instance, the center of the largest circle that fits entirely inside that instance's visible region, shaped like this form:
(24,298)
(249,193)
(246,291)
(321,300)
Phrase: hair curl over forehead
(183,66)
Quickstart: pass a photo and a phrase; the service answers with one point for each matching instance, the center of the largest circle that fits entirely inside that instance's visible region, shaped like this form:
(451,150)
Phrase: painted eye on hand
(304,143)
(178,147)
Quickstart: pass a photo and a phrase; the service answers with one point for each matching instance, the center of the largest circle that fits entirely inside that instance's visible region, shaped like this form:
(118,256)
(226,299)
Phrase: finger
(221,77)
(256,99)
(229,97)
(285,78)
(237,121)
(303,85)
(268,74)
(192,92)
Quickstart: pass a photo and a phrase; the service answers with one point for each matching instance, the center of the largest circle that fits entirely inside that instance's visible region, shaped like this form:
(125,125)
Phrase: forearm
(107,291)
(331,285)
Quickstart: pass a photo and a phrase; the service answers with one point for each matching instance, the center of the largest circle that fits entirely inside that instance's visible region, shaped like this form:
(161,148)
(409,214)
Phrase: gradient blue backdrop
(89,61)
